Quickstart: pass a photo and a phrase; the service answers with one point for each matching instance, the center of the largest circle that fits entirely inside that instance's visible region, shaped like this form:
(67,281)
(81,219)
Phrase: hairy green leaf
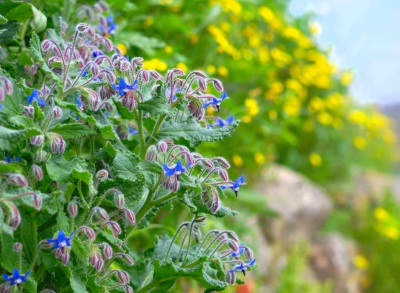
(72,130)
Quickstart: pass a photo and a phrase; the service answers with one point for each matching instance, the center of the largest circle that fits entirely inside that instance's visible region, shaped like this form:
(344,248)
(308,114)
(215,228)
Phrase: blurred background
(314,84)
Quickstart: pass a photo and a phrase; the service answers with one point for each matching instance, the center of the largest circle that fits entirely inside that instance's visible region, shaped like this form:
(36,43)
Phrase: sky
(365,36)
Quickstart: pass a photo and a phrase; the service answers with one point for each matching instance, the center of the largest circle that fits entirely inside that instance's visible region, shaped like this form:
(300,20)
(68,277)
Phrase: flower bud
(175,185)
(108,44)
(208,163)
(2,95)
(58,253)
(18,180)
(217,84)
(107,250)
(46,45)
(201,219)
(101,213)
(104,6)
(137,61)
(72,209)
(130,216)
(248,253)
(65,258)
(92,32)
(223,162)
(103,21)
(57,113)
(15,217)
(58,145)
(128,289)
(97,8)
(123,277)
(115,228)
(124,65)
(37,202)
(151,153)
(145,75)
(162,146)
(94,68)
(36,140)
(119,200)
(8,86)
(202,84)
(94,258)
(102,174)
(34,68)
(82,27)
(37,172)
(231,278)
(128,259)
(29,111)
(111,78)
(99,264)
(223,174)
(17,247)
(89,233)
(155,75)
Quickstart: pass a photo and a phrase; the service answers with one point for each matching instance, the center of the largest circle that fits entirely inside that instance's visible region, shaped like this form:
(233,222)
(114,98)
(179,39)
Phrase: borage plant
(93,148)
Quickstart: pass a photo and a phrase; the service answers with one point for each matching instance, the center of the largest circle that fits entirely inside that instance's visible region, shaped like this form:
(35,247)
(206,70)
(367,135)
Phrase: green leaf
(60,170)
(24,12)
(7,260)
(81,251)
(72,130)
(78,281)
(8,31)
(3,20)
(125,164)
(192,132)
(11,105)
(38,114)
(23,121)
(156,106)
(11,138)
(36,49)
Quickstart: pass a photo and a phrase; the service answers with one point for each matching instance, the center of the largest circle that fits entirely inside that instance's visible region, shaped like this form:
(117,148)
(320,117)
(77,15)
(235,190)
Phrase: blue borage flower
(243,266)
(1,107)
(240,251)
(133,131)
(9,160)
(110,28)
(61,241)
(97,53)
(216,103)
(168,93)
(236,185)
(35,96)
(123,87)
(16,278)
(177,170)
(221,122)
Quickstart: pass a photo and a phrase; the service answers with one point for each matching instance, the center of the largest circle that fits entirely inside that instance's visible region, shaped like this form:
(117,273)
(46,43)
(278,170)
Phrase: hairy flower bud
(115,228)
(37,202)
(37,172)
(130,216)
(101,213)
(107,251)
(99,264)
(58,145)
(8,86)
(102,174)
(119,200)
(137,61)
(29,111)
(15,216)
(223,174)
(65,258)
(82,27)
(57,113)
(231,278)
(151,153)
(89,232)
(223,162)
(46,45)
(128,289)
(145,75)
(94,258)
(217,84)
(94,68)
(108,44)
(124,65)
(36,140)
(17,247)
(162,146)
(202,84)
(248,253)
(72,209)
(18,180)
(123,277)
(155,75)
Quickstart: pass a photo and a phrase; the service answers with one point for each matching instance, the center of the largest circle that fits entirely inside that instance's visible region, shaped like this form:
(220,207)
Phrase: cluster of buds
(58,144)
(6,87)
(60,246)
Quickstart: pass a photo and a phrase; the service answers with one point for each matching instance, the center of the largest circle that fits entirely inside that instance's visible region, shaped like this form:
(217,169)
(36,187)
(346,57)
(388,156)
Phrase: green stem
(172,241)
(141,135)
(181,247)
(87,207)
(190,239)
(157,127)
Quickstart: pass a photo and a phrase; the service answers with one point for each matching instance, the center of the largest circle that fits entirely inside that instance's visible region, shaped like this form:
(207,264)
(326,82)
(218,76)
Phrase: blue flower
(133,131)
(110,28)
(236,185)
(221,122)
(16,278)
(78,102)
(61,241)
(168,93)
(240,251)
(177,170)
(216,102)
(84,73)
(97,53)
(1,107)
(123,87)
(9,160)
(243,266)
(35,96)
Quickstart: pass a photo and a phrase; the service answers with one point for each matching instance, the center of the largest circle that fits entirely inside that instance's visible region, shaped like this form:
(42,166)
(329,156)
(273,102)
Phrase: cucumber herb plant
(92,147)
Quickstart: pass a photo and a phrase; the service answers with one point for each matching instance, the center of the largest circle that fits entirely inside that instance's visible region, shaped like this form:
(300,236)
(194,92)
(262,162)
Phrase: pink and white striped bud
(223,174)
(65,258)
(233,245)
(175,185)
(94,258)
(248,253)
(18,180)
(92,32)
(108,44)
(95,103)
(107,251)
(102,213)
(128,289)
(72,209)
(37,201)
(178,71)
(46,45)
(115,228)
(82,27)
(2,95)
(103,21)
(102,174)
(89,232)
(58,145)
(162,146)
(151,153)
(202,84)
(123,277)
(201,219)
(145,75)
(119,200)
(110,76)
(37,172)
(57,113)
(124,65)
(231,278)
(217,84)
(223,162)
(15,217)
(155,75)
(29,111)
(36,140)
(97,8)
(17,247)
(34,68)
(8,86)
(128,259)
(104,6)
(208,163)
(99,264)
(94,68)
(137,61)
(59,252)
(130,217)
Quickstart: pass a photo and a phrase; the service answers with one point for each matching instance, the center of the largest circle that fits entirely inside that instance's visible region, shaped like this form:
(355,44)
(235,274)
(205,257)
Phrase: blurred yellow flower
(123,49)
(292,107)
(360,262)
(155,64)
(357,116)
(360,142)
(266,13)
(381,214)
(223,71)
(316,104)
(292,33)
(225,26)
(210,111)
(315,159)
(325,118)
(272,114)
(263,54)
(194,38)
(237,160)
(246,119)
(211,69)
(252,108)
(391,232)
(182,66)
(333,101)
(259,158)
(346,78)
(168,49)
(148,22)
(315,28)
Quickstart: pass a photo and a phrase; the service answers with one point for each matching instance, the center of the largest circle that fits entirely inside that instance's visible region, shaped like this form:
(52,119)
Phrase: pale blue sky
(365,36)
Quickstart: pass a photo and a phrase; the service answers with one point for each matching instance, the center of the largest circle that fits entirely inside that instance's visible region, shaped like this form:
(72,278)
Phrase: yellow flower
(211,69)
(148,22)
(315,28)
(357,117)
(291,33)
(263,54)
(275,89)
(182,66)
(210,111)
(168,49)
(237,160)
(391,232)
(325,118)
(246,119)
(266,13)
(259,158)
(346,78)
(223,71)
(316,104)
(315,159)
(252,108)
(122,47)
(225,26)
(359,142)
(381,214)
(272,114)
(155,64)
(360,262)
(292,107)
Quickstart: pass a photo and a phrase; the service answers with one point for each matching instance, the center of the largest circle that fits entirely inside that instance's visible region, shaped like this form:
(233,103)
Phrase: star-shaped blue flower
(97,53)
(177,170)
(240,251)
(243,266)
(236,185)
(123,87)
(216,103)
(168,93)
(222,123)
(110,28)
(16,278)
(9,160)
(133,131)
(35,96)
(61,241)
